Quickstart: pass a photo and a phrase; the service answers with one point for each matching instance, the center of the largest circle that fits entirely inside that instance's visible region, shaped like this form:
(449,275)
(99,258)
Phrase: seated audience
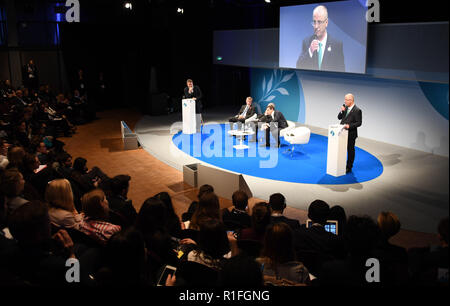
(393,259)
(208,208)
(316,239)
(40,259)
(238,217)
(118,201)
(278,255)
(86,179)
(96,214)
(62,210)
(337,213)
(193,206)
(12,186)
(260,221)
(361,236)
(277,204)
(124,261)
(173,222)
(241,271)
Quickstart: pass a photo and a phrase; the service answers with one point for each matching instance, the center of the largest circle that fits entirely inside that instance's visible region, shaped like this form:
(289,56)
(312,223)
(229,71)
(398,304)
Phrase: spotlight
(128,6)
(267,1)
(180,10)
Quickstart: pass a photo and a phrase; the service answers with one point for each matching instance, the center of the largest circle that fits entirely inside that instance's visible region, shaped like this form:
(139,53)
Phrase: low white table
(241,134)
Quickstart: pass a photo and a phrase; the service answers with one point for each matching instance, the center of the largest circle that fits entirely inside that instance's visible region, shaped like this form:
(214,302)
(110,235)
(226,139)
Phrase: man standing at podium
(351,117)
(193,92)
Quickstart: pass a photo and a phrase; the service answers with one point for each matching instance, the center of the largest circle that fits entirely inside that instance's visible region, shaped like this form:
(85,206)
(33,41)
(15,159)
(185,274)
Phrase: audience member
(12,186)
(241,271)
(260,221)
(119,202)
(173,222)
(238,217)
(62,210)
(278,255)
(86,179)
(40,259)
(96,214)
(393,259)
(337,213)
(277,203)
(193,206)
(208,208)
(361,236)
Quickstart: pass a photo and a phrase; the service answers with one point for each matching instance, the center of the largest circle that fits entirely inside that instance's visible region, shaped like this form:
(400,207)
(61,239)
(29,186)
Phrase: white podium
(337,150)
(189,118)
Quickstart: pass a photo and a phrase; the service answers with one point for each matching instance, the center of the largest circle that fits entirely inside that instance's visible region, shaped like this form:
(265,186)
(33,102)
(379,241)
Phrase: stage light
(180,10)
(128,5)
(267,1)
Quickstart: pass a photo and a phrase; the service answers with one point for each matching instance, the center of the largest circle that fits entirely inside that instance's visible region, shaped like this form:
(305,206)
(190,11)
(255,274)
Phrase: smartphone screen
(168,270)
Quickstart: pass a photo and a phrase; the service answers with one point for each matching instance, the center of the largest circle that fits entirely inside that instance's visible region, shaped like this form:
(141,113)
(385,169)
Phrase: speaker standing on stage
(351,117)
(193,92)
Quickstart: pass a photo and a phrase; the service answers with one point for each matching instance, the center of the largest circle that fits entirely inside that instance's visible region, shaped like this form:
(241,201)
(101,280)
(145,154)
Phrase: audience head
(204,189)
(15,157)
(152,216)
(167,201)
(443,231)
(212,238)
(338,214)
(95,205)
(120,184)
(241,271)
(187,216)
(30,162)
(12,183)
(319,211)
(208,207)
(260,217)
(65,159)
(125,257)
(277,202)
(240,200)
(360,236)
(30,224)
(279,243)
(80,165)
(389,224)
(59,195)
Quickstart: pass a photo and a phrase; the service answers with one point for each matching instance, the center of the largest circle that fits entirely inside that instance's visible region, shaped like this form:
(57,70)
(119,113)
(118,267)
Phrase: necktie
(348,112)
(320,54)
(245,111)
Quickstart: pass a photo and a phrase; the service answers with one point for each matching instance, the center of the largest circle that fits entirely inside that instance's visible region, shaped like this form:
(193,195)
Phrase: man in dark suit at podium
(351,117)
(193,92)
(247,110)
(321,51)
(272,116)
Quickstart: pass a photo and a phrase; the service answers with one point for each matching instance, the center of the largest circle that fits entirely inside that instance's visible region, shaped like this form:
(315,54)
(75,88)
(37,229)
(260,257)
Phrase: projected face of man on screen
(320,21)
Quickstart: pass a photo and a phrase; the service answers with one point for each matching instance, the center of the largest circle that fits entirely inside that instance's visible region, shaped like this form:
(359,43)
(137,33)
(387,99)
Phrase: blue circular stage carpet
(307,164)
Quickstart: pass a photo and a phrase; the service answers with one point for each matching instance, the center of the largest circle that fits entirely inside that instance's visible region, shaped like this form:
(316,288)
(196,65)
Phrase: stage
(410,183)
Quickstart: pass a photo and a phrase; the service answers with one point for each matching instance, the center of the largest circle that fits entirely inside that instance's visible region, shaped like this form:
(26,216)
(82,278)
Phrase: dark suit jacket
(333,56)
(354,119)
(250,112)
(197,93)
(236,217)
(293,224)
(317,239)
(124,208)
(277,117)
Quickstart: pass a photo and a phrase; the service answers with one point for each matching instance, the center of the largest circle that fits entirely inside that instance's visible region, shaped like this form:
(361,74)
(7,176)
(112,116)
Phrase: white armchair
(291,126)
(299,135)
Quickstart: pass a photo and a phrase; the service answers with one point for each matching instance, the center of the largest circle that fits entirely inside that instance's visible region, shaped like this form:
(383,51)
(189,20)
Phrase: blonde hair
(59,195)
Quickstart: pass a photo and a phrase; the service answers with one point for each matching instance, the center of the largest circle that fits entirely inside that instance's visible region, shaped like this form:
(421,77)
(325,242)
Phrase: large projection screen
(339,27)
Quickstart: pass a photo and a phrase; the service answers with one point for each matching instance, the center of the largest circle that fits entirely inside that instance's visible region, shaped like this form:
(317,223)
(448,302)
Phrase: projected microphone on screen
(321,51)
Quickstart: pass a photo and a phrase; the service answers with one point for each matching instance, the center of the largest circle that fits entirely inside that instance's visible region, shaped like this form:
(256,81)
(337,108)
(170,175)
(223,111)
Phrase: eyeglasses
(318,22)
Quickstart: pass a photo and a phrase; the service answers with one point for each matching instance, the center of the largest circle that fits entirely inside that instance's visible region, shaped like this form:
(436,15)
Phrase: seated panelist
(247,110)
